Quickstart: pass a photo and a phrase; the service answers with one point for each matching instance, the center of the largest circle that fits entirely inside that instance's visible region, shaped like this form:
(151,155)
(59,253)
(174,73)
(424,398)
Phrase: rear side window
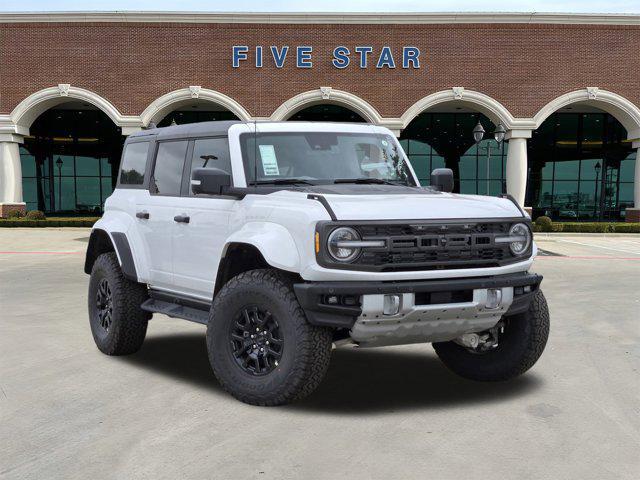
(167,173)
(134,162)
(210,153)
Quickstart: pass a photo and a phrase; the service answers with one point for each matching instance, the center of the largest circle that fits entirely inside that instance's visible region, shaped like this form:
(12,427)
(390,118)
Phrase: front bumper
(519,288)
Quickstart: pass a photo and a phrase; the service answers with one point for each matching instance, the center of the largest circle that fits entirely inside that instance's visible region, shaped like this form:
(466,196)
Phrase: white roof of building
(327,18)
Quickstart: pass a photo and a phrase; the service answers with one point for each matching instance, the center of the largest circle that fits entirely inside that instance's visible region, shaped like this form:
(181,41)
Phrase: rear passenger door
(132,186)
(156,210)
(198,244)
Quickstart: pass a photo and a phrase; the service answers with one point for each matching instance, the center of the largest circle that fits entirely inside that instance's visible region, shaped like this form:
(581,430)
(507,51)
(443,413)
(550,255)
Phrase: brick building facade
(518,70)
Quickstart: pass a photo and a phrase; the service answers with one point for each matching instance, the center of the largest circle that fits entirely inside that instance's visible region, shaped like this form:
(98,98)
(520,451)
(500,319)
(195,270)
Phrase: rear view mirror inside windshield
(321,141)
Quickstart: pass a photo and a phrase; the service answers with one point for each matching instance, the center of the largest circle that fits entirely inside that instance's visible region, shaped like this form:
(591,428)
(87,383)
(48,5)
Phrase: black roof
(190,129)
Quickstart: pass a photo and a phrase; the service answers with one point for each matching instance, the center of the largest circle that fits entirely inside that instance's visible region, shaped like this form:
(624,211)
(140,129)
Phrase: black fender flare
(101,242)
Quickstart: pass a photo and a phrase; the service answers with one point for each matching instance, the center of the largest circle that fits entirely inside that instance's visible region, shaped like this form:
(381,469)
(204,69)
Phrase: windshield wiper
(282,181)
(364,180)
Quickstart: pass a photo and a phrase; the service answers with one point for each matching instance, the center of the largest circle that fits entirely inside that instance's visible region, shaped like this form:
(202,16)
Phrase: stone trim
(625,111)
(165,104)
(20,119)
(327,95)
(322,18)
(492,108)
(25,113)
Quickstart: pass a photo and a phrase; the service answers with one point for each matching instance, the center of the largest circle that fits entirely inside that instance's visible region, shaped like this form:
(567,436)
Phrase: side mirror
(442,180)
(210,181)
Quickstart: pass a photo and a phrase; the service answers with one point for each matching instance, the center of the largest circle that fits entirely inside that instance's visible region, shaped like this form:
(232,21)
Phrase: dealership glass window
(437,140)
(68,161)
(326,113)
(580,168)
(29,179)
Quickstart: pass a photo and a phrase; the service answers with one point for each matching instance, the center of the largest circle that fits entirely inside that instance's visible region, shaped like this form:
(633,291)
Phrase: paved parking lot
(67,411)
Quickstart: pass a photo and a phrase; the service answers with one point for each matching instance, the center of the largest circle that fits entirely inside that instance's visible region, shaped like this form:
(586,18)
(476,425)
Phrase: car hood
(411,206)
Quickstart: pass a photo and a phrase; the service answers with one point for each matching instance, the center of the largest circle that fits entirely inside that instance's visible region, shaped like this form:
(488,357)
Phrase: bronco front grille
(429,245)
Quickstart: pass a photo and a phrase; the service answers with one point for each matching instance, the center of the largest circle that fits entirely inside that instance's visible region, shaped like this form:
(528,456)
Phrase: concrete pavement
(67,411)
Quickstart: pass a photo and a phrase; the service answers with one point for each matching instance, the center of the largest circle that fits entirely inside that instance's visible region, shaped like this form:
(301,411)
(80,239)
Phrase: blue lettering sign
(279,56)
(410,55)
(303,57)
(386,58)
(341,57)
(259,56)
(364,53)
(239,53)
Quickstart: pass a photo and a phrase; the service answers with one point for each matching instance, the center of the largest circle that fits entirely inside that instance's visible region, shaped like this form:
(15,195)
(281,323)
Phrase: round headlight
(338,244)
(522,232)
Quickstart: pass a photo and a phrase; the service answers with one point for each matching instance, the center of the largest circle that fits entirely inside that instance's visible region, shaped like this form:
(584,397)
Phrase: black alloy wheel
(260,345)
(256,341)
(104,304)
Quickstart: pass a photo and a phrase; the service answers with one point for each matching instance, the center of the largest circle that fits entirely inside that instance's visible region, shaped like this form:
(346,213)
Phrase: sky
(398,6)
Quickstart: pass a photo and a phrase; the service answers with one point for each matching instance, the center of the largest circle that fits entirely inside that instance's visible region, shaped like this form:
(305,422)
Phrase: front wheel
(520,341)
(260,345)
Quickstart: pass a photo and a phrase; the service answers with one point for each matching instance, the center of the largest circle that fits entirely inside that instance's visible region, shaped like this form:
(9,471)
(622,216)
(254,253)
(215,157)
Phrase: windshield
(323,157)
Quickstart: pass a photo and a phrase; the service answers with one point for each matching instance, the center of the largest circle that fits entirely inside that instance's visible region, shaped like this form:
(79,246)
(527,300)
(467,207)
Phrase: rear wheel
(118,324)
(261,347)
(520,340)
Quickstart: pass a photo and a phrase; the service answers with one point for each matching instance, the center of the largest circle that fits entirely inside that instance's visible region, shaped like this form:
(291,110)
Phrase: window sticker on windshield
(269,160)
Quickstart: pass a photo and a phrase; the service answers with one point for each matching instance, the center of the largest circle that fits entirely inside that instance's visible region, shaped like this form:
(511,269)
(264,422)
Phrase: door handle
(143,215)
(181,218)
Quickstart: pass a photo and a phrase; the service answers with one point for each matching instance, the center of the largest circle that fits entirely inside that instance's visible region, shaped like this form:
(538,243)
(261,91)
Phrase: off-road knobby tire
(306,348)
(519,347)
(129,321)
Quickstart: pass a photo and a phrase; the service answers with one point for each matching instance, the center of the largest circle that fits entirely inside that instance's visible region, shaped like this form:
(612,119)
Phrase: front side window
(134,162)
(210,153)
(323,157)
(167,173)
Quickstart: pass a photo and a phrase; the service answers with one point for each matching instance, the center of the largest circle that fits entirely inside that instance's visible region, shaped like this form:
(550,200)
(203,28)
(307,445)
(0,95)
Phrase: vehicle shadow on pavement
(384,380)
(358,381)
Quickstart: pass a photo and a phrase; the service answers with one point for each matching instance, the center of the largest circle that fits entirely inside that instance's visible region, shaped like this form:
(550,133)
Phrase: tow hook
(468,340)
(481,341)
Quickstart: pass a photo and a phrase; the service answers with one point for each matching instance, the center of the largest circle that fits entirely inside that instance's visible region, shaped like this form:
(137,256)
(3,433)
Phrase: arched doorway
(70,159)
(581,166)
(326,113)
(193,104)
(327,104)
(443,137)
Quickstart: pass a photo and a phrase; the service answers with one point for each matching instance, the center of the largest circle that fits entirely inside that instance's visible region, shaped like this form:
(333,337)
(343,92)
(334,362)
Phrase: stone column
(633,214)
(10,174)
(517,164)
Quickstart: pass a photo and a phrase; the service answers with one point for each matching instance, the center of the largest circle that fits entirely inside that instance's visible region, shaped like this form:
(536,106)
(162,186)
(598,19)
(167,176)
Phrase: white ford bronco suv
(287,239)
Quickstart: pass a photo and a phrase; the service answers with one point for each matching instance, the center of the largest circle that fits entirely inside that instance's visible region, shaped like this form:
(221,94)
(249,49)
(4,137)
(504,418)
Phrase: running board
(193,313)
